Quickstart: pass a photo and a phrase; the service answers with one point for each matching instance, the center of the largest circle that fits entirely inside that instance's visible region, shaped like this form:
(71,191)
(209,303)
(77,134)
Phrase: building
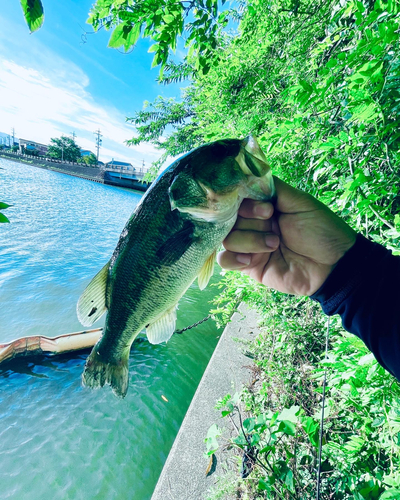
(41,149)
(119,166)
(120,173)
(7,139)
(86,152)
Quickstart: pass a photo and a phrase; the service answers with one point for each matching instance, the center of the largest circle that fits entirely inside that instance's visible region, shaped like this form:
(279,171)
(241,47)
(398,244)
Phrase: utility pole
(73,136)
(13,136)
(98,135)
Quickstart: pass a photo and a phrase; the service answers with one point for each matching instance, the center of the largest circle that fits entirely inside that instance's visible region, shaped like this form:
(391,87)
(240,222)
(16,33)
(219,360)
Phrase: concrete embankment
(90,173)
(184,474)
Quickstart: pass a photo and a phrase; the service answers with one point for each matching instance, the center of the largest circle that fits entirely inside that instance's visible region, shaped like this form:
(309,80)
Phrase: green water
(58,439)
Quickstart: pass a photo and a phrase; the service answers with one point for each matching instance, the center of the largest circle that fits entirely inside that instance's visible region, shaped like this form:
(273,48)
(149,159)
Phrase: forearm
(364,288)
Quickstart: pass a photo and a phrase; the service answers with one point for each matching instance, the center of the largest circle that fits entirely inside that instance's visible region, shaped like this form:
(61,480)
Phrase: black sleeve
(364,288)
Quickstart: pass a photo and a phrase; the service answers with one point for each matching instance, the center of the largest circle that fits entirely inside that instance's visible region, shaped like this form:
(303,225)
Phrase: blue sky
(51,83)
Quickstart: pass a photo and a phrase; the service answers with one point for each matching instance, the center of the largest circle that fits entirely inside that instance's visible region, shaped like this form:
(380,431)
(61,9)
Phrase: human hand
(291,247)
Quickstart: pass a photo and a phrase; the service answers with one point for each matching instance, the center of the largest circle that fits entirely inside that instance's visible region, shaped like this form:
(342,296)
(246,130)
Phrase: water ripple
(58,439)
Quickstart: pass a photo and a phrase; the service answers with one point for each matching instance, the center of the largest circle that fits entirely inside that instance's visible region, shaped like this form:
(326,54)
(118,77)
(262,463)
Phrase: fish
(170,240)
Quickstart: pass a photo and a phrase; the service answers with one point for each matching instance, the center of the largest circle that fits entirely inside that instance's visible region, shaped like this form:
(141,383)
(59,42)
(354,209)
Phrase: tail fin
(97,373)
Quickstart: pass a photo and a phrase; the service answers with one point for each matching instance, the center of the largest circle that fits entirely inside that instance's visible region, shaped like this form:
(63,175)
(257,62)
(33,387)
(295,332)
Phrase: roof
(119,164)
(33,143)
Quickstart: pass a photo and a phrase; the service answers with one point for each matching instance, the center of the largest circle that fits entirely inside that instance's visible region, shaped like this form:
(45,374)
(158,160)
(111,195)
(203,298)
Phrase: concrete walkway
(184,474)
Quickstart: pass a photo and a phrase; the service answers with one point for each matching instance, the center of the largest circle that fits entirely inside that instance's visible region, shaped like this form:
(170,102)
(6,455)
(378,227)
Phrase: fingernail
(272,241)
(262,211)
(243,259)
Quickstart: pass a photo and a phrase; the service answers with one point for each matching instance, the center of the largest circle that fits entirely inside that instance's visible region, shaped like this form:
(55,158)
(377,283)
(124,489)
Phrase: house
(41,149)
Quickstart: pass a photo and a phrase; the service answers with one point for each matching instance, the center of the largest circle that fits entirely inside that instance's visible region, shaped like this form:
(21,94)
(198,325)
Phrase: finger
(251,209)
(251,242)
(232,260)
(260,225)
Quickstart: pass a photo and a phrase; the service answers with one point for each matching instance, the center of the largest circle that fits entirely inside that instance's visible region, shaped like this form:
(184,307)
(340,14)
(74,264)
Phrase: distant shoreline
(88,173)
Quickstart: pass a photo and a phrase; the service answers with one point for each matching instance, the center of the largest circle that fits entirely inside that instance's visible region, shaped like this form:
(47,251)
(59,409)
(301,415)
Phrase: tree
(64,148)
(165,22)
(90,160)
(319,86)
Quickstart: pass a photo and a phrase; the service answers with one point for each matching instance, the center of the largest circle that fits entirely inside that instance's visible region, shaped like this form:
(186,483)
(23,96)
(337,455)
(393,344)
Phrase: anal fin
(163,328)
(92,303)
(206,271)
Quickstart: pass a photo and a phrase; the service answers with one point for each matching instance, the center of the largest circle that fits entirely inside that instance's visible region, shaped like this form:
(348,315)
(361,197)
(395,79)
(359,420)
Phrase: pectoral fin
(206,271)
(173,249)
(92,303)
(162,329)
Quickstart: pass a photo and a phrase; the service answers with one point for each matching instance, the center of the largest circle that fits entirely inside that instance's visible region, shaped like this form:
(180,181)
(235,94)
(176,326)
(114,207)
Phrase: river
(58,439)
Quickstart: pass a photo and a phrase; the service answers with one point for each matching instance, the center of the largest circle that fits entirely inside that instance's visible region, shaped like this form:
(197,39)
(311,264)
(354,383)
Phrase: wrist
(347,273)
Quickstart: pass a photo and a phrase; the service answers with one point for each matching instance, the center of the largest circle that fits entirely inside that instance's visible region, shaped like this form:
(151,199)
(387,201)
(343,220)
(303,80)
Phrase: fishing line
(321,427)
(194,325)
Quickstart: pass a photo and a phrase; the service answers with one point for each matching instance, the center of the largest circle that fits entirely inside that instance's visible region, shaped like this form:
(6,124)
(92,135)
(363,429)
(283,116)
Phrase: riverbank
(89,173)
(184,476)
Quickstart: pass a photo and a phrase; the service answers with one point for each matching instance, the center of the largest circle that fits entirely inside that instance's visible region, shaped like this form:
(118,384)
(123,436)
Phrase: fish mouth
(251,158)
(259,184)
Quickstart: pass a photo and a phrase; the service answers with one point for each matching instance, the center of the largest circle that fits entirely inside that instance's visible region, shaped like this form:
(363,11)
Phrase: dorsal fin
(92,303)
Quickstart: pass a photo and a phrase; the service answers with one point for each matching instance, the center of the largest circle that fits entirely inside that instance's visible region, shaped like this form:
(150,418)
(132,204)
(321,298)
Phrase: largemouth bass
(171,238)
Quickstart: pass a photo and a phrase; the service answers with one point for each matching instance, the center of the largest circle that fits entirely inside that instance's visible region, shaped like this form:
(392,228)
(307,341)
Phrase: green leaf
(153,48)
(3,218)
(289,414)
(240,440)
(392,494)
(263,485)
(249,423)
(287,427)
(378,422)
(168,19)
(331,63)
(33,12)
(3,206)
(118,36)
(211,439)
(289,481)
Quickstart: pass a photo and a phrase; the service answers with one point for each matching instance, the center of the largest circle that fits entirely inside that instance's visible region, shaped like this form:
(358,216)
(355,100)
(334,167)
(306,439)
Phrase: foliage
(30,152)
(164,22)
(3,206)
(319,86)
(90,160)
(64,148)
(279,413)
(34,14)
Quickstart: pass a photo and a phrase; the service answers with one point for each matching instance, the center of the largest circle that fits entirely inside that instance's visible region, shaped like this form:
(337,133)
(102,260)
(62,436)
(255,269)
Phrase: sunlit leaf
(34,14)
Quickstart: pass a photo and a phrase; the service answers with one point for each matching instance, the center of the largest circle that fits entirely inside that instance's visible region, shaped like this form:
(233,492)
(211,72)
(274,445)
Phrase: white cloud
(43,104)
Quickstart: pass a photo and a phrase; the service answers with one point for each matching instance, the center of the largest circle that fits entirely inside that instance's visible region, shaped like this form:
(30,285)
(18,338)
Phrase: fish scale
(170,239)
